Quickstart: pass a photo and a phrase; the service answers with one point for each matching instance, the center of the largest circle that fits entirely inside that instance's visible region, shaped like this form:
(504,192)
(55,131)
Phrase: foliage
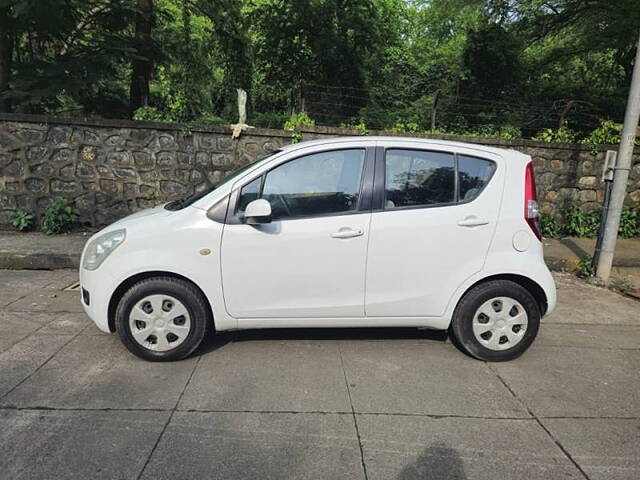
(562,135)
(608,133)
(59,217)
(577,223)
(22,219)
(629,223)
(298,120)
(585,267)
(296,137)
(269,119)
(502,69)
(549,225)
(573,222)
(410,127)
(149,114)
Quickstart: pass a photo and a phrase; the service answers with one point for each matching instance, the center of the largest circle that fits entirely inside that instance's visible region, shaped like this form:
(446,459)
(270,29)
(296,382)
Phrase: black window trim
(379,191)
(364,194)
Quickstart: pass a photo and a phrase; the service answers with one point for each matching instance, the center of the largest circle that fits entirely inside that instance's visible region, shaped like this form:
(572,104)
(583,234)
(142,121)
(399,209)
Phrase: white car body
(405,267)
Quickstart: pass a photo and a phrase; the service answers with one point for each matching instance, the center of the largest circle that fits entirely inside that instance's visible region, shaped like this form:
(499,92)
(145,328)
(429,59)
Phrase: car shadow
(218,340)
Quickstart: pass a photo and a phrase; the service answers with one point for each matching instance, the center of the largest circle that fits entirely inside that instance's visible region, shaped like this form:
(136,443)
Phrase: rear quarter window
(473,176)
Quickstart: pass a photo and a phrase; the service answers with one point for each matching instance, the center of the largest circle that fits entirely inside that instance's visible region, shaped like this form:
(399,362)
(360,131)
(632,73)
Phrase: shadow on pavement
(438,462)
(221,339)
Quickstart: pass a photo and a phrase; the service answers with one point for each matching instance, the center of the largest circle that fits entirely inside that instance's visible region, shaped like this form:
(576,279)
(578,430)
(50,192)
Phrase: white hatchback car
(345,232)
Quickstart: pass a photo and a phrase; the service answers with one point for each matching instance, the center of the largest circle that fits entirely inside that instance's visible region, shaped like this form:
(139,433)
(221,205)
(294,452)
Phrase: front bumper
(99,286)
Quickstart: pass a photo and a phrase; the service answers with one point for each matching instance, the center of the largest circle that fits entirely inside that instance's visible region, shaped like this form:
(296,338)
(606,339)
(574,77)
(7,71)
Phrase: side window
(414,178)
(249,193)
(473,174)
(322,183)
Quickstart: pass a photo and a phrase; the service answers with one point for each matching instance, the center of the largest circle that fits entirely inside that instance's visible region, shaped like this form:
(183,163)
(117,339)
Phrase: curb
(56,261)
(38,261)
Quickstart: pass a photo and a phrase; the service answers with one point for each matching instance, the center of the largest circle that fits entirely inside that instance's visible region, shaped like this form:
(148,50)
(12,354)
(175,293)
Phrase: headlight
(100,248)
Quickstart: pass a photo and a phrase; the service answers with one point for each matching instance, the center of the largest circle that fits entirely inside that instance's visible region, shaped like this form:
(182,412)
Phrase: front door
(309,261)
(437,217)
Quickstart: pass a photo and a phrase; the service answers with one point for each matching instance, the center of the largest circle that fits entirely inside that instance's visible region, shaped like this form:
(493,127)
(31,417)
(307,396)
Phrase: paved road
(362,404)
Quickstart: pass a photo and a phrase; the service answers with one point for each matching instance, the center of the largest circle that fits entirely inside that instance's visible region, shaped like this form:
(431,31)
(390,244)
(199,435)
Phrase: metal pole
(603,222)
(621,176)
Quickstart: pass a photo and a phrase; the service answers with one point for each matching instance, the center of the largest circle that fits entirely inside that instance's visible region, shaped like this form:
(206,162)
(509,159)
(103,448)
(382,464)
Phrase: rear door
(435,211)
(309,262)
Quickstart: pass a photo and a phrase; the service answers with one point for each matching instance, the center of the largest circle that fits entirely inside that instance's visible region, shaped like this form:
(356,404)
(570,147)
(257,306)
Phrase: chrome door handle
(347,232)
(473,222)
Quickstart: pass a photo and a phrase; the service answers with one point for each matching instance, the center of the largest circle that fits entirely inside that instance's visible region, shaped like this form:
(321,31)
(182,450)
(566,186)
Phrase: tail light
(531,210)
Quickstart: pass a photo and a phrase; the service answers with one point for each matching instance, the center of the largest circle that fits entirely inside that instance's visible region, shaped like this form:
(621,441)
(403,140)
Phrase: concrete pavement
(358,403)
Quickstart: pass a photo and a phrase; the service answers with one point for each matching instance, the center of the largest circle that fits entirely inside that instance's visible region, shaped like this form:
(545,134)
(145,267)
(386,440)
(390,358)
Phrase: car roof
(393,139)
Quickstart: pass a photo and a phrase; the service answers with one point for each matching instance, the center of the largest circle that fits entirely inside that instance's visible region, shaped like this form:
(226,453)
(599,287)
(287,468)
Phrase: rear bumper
(548,284)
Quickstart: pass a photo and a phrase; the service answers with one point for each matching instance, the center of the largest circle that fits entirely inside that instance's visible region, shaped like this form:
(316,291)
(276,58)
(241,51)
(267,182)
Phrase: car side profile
(343,232)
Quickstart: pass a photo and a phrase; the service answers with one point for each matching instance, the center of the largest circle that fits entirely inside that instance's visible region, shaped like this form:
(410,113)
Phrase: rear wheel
(496,321)
(162,318)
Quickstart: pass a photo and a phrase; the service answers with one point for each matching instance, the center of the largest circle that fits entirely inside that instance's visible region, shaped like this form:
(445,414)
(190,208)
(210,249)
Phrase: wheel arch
(525,282)
(128,282)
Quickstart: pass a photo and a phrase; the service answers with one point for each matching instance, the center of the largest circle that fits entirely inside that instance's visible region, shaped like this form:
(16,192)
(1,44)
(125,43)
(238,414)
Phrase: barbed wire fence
(334,105)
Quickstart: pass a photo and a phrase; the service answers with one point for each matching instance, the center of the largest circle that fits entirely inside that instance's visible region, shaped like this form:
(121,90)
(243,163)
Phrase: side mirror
(257,212)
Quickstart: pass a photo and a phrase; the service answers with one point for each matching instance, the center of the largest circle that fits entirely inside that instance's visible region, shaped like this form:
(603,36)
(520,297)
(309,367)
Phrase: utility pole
(621,176)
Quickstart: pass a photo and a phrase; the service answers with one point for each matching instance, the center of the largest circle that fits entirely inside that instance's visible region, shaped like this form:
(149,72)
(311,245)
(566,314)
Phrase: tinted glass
(322,183)
(415,178)
(473,174)
(249,193)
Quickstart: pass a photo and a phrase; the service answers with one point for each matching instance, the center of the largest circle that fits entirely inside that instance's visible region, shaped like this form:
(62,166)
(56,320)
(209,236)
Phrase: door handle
(472,221)
(346,232)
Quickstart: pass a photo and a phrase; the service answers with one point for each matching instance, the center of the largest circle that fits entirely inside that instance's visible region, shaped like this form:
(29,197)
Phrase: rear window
(415,177)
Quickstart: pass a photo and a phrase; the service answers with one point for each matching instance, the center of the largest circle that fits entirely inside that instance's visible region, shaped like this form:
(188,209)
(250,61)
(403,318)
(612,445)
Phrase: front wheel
(496,321)
(162,318)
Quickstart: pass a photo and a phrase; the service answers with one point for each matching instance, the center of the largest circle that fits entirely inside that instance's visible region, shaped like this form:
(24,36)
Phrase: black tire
(185,292)
(461,324)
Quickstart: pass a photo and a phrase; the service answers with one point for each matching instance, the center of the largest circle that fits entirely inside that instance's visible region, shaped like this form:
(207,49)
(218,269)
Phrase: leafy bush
(585,267)
(22,219)
(577,223)
(562,135)
(629,223)
(573,222)
(59,217)
(409,127)
(269,119)
(298,120)
(549,225)
(608,133)
(149,114)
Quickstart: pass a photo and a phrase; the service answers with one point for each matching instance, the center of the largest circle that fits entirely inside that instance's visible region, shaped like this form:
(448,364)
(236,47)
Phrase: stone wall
(111,168)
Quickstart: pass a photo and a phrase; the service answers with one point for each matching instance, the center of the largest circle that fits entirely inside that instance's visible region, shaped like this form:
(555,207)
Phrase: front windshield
(185,202)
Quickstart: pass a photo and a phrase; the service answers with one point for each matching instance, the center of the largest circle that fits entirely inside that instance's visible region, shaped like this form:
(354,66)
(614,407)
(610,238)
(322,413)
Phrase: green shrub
(409,127)
(608,133)
(22,219)
(573,222)
(149,114)
(298,120)
(576,223)
(629,223)
(585,267)
(562,135)
(549,225)
(59,217)
(269,119)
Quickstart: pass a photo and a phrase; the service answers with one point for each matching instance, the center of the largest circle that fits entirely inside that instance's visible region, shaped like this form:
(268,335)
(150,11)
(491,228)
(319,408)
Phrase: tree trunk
(6,47)
(142,65)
